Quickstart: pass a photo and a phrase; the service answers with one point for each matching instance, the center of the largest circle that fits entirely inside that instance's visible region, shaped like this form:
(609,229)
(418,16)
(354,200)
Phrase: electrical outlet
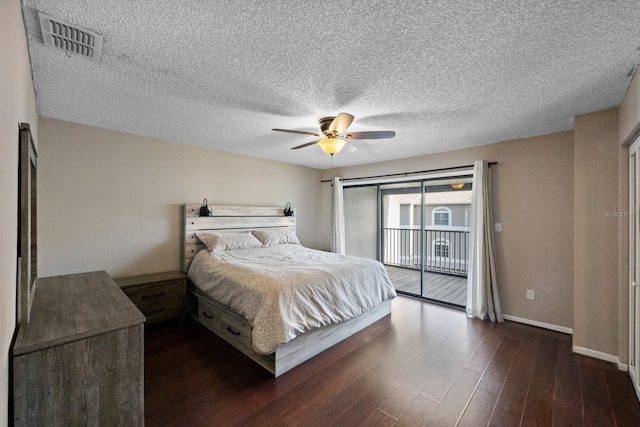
(498,227)
(531,294)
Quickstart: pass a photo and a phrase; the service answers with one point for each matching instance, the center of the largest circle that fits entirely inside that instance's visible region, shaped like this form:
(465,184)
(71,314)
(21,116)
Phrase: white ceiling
(442,74)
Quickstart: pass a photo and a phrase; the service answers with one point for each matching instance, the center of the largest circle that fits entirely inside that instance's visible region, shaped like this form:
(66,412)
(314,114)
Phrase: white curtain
(482,287)
(337,242)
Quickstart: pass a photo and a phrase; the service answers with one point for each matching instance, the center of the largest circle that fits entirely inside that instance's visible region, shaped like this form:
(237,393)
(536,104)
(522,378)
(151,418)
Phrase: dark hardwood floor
(424,365)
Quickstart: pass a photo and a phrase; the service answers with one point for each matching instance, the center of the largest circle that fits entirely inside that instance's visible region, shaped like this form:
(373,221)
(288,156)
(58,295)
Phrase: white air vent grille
(69,38)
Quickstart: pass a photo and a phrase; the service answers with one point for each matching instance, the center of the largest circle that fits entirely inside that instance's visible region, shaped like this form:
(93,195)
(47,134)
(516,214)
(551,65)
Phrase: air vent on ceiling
(69,38)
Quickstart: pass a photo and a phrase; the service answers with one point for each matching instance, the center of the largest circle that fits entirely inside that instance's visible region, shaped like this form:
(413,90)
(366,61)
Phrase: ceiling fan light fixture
(457,185)
(332,145)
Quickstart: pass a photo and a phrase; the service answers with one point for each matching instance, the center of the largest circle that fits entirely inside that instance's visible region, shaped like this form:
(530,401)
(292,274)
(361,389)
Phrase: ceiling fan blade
(305,145)
(371,135)
(296,131)
(341,123)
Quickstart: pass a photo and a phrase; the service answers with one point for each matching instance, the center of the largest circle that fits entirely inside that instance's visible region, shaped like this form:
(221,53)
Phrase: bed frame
(234,328)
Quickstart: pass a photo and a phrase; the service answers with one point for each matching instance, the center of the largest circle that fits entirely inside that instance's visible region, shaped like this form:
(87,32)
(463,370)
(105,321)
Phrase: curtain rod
(408,173)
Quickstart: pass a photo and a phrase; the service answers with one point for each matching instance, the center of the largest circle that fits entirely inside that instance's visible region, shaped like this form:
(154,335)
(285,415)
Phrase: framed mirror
(27,225)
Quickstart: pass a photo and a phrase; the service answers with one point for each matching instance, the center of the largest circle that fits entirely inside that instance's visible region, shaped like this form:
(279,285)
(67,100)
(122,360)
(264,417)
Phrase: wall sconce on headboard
(205,210)
(288,211)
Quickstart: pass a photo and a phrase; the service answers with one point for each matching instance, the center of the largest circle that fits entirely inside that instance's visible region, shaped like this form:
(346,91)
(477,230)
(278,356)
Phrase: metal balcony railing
(446,249)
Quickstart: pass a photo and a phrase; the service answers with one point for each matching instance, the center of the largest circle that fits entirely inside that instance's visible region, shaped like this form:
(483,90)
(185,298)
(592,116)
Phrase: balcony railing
(446,250)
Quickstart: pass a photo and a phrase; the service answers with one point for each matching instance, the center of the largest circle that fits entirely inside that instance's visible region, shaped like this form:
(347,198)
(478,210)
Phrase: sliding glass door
(418,229)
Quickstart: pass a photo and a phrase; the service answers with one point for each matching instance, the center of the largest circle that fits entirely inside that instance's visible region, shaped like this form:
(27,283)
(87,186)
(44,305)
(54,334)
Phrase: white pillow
(217,242)
(280,236)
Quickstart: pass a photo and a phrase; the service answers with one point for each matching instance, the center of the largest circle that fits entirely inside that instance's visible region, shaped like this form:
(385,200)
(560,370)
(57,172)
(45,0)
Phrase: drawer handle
(153,295)
(207,315)
(147,313)
(232,331)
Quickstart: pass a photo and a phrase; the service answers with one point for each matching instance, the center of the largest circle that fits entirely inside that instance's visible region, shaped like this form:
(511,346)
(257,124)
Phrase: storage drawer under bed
(234,330)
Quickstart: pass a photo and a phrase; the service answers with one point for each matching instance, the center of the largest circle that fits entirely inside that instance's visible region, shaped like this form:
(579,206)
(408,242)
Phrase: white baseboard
(549,326)
(600,355)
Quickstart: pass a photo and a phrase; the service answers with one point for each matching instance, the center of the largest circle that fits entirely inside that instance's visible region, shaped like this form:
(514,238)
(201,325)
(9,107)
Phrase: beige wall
(533,199)
(17,104)
(112,200)
(596,284)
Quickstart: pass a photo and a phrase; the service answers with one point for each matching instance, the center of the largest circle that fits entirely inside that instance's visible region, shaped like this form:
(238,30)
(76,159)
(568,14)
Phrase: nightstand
(159,296)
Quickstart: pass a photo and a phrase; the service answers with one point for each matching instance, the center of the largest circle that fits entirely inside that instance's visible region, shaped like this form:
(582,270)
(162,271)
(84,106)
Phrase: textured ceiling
(442,74)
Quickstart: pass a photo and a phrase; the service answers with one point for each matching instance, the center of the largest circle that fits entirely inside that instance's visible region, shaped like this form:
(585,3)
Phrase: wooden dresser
(80,359)
(159,296)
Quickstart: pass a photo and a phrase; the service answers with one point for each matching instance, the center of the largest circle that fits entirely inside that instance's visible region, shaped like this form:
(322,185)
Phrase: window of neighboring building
(441,248)
(405,215)
(441,216)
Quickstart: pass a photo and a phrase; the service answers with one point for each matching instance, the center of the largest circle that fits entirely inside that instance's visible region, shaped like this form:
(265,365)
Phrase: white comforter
(286,290)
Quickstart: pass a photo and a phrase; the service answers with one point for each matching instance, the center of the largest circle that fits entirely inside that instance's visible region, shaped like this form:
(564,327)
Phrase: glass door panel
(447,216)
(361,221)
(402,235)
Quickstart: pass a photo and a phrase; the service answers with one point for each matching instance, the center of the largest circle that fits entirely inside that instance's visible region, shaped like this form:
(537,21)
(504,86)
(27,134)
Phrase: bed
(273,299)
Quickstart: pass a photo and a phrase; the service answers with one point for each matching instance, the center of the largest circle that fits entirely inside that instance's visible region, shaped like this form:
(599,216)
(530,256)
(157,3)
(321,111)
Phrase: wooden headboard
(227,219)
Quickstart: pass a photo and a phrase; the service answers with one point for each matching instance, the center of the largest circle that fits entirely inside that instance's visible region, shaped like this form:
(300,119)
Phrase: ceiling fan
(333,137)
